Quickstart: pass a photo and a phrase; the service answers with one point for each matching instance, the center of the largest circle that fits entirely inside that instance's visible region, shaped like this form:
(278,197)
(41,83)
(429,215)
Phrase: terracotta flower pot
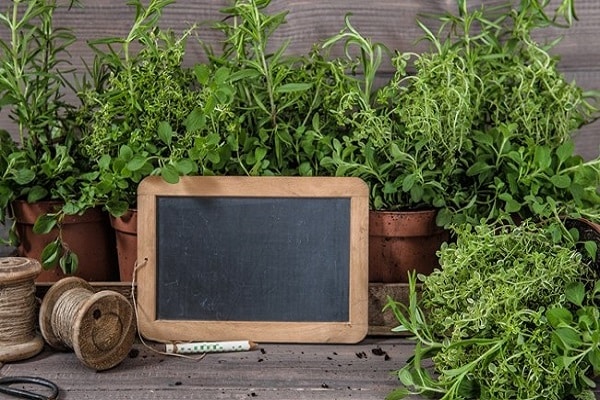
(125,228)
(400,242)
(87,235)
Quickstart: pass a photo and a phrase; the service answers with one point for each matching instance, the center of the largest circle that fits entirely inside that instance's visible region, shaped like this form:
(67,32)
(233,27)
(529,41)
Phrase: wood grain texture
(391,22)
(276,372)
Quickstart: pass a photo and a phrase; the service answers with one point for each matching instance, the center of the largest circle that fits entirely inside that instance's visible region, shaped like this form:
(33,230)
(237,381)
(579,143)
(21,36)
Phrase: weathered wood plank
(363,371)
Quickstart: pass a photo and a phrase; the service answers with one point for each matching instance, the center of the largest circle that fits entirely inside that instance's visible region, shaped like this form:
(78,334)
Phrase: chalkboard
(269,259)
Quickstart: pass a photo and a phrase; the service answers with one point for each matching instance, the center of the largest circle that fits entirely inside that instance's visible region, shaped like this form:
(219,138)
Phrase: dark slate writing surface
(253,259)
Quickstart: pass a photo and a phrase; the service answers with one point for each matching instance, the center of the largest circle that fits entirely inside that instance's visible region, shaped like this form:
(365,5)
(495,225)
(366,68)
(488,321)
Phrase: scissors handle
(6,381)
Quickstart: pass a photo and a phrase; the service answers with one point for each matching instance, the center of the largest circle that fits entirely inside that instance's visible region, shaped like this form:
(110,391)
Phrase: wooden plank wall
(389,21)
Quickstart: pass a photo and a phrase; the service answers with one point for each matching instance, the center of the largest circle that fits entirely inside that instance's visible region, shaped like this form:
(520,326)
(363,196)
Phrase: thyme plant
(144,112)
(519,158)
(511,314)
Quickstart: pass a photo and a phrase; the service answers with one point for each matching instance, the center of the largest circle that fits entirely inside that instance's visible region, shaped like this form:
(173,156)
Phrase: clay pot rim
(127,223)
(408,211)
(405,223)
(93,214)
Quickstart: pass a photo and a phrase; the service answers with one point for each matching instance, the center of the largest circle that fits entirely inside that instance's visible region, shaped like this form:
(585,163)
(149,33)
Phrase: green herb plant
(511,314)
(145,113)
(43,162)
(482,128)
(406,138)
(282,102)
(519,158)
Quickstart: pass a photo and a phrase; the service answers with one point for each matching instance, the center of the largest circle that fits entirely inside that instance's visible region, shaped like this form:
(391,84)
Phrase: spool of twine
(18,337)
(99,327)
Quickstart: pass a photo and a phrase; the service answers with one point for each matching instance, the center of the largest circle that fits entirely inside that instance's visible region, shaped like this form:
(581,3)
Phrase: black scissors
(6,381)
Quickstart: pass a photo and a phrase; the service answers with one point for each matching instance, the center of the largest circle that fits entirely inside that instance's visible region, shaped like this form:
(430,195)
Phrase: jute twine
(98,326)
(64,313)
(18,307)
(17,312)
(136,268)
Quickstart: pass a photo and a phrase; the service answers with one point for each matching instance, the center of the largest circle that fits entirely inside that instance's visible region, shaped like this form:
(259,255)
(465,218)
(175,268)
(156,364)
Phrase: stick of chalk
(210,347)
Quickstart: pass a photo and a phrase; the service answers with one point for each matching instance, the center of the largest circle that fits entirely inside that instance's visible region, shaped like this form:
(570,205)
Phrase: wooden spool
(19,271)
(101,326)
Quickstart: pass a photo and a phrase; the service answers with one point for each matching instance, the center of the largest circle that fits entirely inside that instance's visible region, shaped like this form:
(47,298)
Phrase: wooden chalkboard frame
(162,330)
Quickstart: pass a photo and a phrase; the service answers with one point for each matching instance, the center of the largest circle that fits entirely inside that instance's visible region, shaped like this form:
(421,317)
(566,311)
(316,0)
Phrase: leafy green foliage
(147,114)
(44,163)
(519,156)
(282,123)
(482,128)
(530,180)
(511,314)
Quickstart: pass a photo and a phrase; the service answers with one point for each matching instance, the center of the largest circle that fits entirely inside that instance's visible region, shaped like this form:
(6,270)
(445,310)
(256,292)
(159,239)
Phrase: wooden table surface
(275,371)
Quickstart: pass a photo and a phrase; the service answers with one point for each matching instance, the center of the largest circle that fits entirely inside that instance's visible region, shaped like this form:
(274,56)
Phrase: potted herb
(480,129)
(42,168)
(145,113)
(398,142)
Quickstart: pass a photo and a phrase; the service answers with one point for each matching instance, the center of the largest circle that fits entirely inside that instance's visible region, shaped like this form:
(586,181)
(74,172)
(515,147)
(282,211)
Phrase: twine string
(17,312)
(65,311)
(136,267)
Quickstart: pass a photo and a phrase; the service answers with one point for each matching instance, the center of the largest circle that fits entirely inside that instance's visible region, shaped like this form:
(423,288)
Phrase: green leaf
(559,315)
(398,394)
(23,176)
(568,336)
(202,72)
(443,217)
(213,156)
(259,154)
(104,162)
(117,207)
(478,168)
(70,208)
(588,382)
(542,157)
(575,293)
(316,122)
(169,174)
(69,263)
(510,205)
(125,152)
(244,74)
(405,377)
(165,132)
(195,121)
(184,167)
(594,358)
(305,169)
(51,254)
(561,181)
(592,249)
(565,151)
(136,163)
(36,193)
(483,138)
(408,182)
(293,87)
(222,74)
(44,224)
